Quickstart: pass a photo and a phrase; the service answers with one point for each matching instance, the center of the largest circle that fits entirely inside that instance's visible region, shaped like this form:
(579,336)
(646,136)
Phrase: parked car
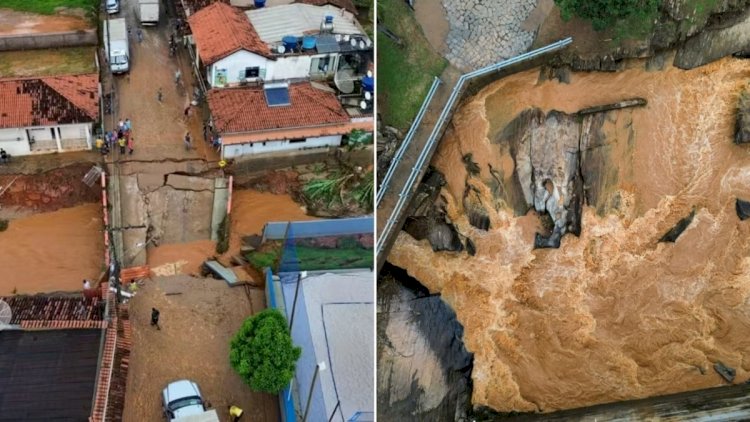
(182,401)
(113,6)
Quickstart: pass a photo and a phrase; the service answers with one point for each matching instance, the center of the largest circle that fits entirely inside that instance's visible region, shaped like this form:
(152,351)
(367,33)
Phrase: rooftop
(274,23)
(220,30)
(334,324)
(48,375)
(246,109)
(49,100)
(341,4)
(54,308)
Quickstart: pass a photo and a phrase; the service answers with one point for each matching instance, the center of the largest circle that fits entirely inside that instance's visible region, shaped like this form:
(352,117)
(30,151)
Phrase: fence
(279,230)
(53,40)
(286,402)
(422,160)
(405,143)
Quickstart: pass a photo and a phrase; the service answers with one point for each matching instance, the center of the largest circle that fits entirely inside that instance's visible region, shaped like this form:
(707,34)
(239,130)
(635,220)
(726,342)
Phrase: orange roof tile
(219,30)
(48,101)
(236,110)
(342,4)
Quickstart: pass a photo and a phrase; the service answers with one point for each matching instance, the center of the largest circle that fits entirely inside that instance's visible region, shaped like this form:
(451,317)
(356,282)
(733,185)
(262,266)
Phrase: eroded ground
(198,319)
(612,314)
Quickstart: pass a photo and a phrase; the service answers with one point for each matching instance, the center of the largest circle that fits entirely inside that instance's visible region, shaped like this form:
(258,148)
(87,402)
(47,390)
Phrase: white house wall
(73,137)
(234,65)
(10,142)
(254,148)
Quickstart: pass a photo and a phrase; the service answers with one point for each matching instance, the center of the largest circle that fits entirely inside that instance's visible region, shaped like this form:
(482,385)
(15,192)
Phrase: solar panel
(327,44)
(277,96)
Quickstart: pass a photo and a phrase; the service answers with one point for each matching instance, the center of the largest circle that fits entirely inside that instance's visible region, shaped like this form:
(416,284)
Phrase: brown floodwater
(251,210)
(52,251)
(612,314)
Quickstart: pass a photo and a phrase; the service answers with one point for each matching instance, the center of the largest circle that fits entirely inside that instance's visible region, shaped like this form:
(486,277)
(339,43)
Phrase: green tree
(606,13)
(262,352)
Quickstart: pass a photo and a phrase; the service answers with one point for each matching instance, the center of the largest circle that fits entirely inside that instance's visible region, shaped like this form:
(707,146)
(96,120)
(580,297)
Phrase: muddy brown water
(52,251)
(612,314)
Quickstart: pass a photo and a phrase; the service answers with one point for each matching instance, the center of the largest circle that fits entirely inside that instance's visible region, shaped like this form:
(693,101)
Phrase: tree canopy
(605,13)
(262,352)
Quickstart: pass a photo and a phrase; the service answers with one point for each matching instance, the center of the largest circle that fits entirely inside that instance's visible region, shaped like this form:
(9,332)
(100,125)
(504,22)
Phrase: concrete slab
(131,203)
(150,182)
(164,167)
(194,183)
(134,249)
(180,215)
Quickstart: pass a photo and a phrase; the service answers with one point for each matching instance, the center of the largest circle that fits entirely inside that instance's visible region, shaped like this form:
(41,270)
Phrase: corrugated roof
(49,101)
(273,23)
(219,30)
(343,4)
(236,110)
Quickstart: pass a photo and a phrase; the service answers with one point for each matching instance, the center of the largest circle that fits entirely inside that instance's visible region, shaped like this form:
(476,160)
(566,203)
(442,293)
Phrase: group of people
(211,137)
(122,137)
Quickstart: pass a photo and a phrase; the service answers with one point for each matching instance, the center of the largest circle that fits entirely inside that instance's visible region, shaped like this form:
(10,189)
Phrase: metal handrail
(404,145)
(447,109)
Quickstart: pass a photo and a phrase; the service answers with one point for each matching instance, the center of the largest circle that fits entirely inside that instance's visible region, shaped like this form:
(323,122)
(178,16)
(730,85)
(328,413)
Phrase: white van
(113,6)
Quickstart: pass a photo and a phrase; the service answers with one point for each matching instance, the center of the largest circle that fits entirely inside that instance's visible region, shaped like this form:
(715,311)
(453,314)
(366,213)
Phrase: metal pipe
(399,154)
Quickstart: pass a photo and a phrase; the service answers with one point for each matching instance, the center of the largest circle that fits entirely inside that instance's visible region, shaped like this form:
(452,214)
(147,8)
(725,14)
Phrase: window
(252,72)
(298,140)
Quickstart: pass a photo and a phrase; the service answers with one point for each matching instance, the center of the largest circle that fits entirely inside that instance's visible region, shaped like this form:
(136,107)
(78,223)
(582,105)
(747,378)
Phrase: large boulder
(676,231)
(743,209)
(742,135)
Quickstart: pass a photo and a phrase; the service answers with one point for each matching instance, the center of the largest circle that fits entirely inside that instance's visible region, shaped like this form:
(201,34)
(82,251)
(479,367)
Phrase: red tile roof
(49,101)
(219,30)
(236,110)
(342,4)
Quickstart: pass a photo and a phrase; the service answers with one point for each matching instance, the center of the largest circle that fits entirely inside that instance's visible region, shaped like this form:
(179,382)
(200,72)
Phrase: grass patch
(311,258)
(405,72)
(47,7)
(60,61)
(639,25)
(222,245)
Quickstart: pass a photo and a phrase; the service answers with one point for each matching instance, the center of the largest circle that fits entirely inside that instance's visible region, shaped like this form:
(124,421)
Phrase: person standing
(131,142)
(186,112)
(128,125)
(187,141)
(159,95)
(99,143)
(155,318)
(122,143)
(140,35)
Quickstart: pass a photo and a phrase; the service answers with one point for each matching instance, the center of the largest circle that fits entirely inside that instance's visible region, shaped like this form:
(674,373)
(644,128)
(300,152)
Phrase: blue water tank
(308,42)
(329,19)
(290,43)
(260,3)
(368,83)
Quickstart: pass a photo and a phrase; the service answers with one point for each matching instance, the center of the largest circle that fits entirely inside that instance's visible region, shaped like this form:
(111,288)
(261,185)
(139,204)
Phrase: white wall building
(43,115)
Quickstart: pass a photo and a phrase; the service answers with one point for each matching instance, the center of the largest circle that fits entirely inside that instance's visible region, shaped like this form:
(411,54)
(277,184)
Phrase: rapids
(612,314)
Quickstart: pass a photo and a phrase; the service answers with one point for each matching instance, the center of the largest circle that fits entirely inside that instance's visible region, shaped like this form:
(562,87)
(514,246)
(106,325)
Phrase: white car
(113,6)
(182,401)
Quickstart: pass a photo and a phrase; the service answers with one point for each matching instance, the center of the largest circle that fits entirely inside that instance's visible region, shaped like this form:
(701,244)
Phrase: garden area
(407,64)
(315,254)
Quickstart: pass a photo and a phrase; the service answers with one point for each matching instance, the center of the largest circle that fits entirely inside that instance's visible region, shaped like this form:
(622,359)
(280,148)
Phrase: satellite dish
(344,80)
(281,49)
(338,37)
(6,314)
(368,96)
(346,38)
(361,45)
(369,73)
(363,105)
(353,42)
(368,42)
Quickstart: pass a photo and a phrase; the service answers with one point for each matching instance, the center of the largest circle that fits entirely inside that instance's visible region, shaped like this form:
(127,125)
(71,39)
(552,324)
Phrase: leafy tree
(262,352)
(605,13)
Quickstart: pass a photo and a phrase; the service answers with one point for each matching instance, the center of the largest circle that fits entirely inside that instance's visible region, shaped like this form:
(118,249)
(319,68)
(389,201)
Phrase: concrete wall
(283,68)
(253,148)
(53,40)
(65,137)
(14,141)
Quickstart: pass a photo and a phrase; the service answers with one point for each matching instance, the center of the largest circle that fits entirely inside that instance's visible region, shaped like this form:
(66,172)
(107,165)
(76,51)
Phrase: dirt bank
(52,251)
(49,191)
(612,314)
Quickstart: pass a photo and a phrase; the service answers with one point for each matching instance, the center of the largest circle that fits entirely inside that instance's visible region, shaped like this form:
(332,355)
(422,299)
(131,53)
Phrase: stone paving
(483,32)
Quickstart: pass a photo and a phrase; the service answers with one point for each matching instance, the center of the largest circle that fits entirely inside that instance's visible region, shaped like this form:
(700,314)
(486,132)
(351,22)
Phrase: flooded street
(613,314)
(52,251)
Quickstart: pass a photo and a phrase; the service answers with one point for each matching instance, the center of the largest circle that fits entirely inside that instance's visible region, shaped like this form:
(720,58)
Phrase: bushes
(606,13)
(262,352)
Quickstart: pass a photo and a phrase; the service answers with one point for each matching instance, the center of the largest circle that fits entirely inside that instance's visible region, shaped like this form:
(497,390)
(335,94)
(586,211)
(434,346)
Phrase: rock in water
(676,231)
(470,248)
(726,372)
(444,237)
(551,241)
(743,119)
(743,209)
